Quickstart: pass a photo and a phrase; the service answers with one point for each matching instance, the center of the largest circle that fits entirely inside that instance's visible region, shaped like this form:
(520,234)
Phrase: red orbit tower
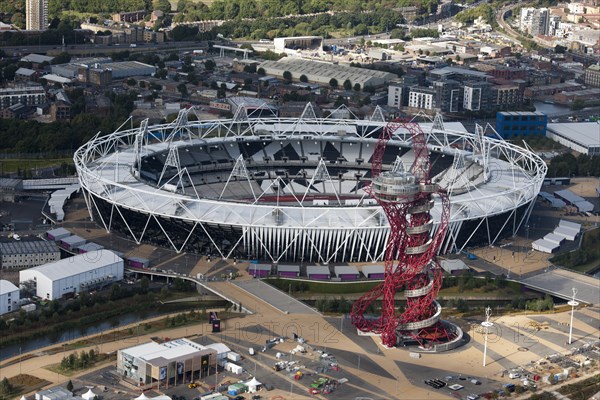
(406,197)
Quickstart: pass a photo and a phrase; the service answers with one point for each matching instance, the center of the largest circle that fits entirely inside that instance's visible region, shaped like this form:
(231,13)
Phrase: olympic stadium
(293,189)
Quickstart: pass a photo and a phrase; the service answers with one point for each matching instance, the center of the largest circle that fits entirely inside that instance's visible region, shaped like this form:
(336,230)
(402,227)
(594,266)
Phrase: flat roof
(73,239)
(288,268)
(345,270)
(569,196)
(7,287)
(453,265)
(36,58)
(317,270)
(90,246)
(373,269)
(126,65)
(167,351)
(582,133)
(77,264)
(259,267)
(58,232)
(28,247)
(520,113)
(462,71)
(9,182)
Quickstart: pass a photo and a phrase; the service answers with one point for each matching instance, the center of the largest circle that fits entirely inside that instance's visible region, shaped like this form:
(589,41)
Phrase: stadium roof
(28,247)
(77,264)
(6,287)
(583,133)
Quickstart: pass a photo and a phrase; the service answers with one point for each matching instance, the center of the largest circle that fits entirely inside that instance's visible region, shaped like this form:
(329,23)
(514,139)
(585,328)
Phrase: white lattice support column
(171,161)
(239,171)
(138,146)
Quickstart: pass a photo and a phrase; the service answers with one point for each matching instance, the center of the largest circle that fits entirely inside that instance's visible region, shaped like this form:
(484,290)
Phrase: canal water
(71,334)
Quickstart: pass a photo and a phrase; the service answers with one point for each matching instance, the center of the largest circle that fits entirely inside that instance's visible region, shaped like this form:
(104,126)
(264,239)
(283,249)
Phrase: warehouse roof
(126,65)
(7,287)
(77,264)
(28,247)
(582,133)
(37,58)
(326,71)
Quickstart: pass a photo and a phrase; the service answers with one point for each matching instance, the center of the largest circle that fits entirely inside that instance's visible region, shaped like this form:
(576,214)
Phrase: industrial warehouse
(84,272)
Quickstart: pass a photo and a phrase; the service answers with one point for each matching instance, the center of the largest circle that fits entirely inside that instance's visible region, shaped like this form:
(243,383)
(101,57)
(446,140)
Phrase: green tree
(70,386)
(333,83)
(287,75)
(144,284)
(209,65)
(261,71)
(6,388)
(347,84)
(182,88)
(303,78)
(357,87)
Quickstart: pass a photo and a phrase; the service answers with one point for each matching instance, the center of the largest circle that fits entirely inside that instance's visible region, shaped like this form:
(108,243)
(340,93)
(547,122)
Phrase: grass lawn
(13,165)
(24,383)
(102,359)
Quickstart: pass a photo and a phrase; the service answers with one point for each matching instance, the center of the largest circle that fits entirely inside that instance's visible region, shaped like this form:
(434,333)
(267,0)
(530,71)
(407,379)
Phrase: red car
(314,391)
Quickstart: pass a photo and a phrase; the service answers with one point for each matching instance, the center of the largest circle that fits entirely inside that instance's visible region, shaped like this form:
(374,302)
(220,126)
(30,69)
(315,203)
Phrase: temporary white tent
(566,232)
(253,385)
(142,397)
(554,238)
(89,395)
(569,224)
(544,246)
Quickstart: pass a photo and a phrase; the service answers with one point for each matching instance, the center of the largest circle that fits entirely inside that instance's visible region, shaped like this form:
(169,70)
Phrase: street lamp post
(573,303)
(486,325)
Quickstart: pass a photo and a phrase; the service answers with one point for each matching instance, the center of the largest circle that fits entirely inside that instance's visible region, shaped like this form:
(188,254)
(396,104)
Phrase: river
(552,110)
(71,334)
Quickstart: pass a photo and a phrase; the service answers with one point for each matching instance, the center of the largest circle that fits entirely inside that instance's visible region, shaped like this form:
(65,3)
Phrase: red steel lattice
(405,269)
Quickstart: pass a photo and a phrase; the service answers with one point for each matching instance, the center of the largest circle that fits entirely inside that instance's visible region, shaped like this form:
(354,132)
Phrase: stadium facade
(281,189)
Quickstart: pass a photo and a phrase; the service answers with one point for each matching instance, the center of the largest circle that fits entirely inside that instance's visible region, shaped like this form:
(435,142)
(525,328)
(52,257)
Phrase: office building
(27,254)
(515,123)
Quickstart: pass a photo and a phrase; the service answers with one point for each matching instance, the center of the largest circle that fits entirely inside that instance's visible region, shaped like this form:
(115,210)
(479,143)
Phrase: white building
(26,95)
(576,8)
(9,297)
(472,98)
(83,272)
(582,137)
(173,362)
(420,100)
(27,254)
(394,96)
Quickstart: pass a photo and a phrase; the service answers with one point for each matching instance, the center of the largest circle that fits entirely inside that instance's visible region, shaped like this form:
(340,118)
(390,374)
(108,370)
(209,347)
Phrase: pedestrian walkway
(276,298)
(560,283)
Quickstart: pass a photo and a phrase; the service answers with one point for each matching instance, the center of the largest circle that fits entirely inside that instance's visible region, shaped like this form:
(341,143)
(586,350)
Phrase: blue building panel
(515,123)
